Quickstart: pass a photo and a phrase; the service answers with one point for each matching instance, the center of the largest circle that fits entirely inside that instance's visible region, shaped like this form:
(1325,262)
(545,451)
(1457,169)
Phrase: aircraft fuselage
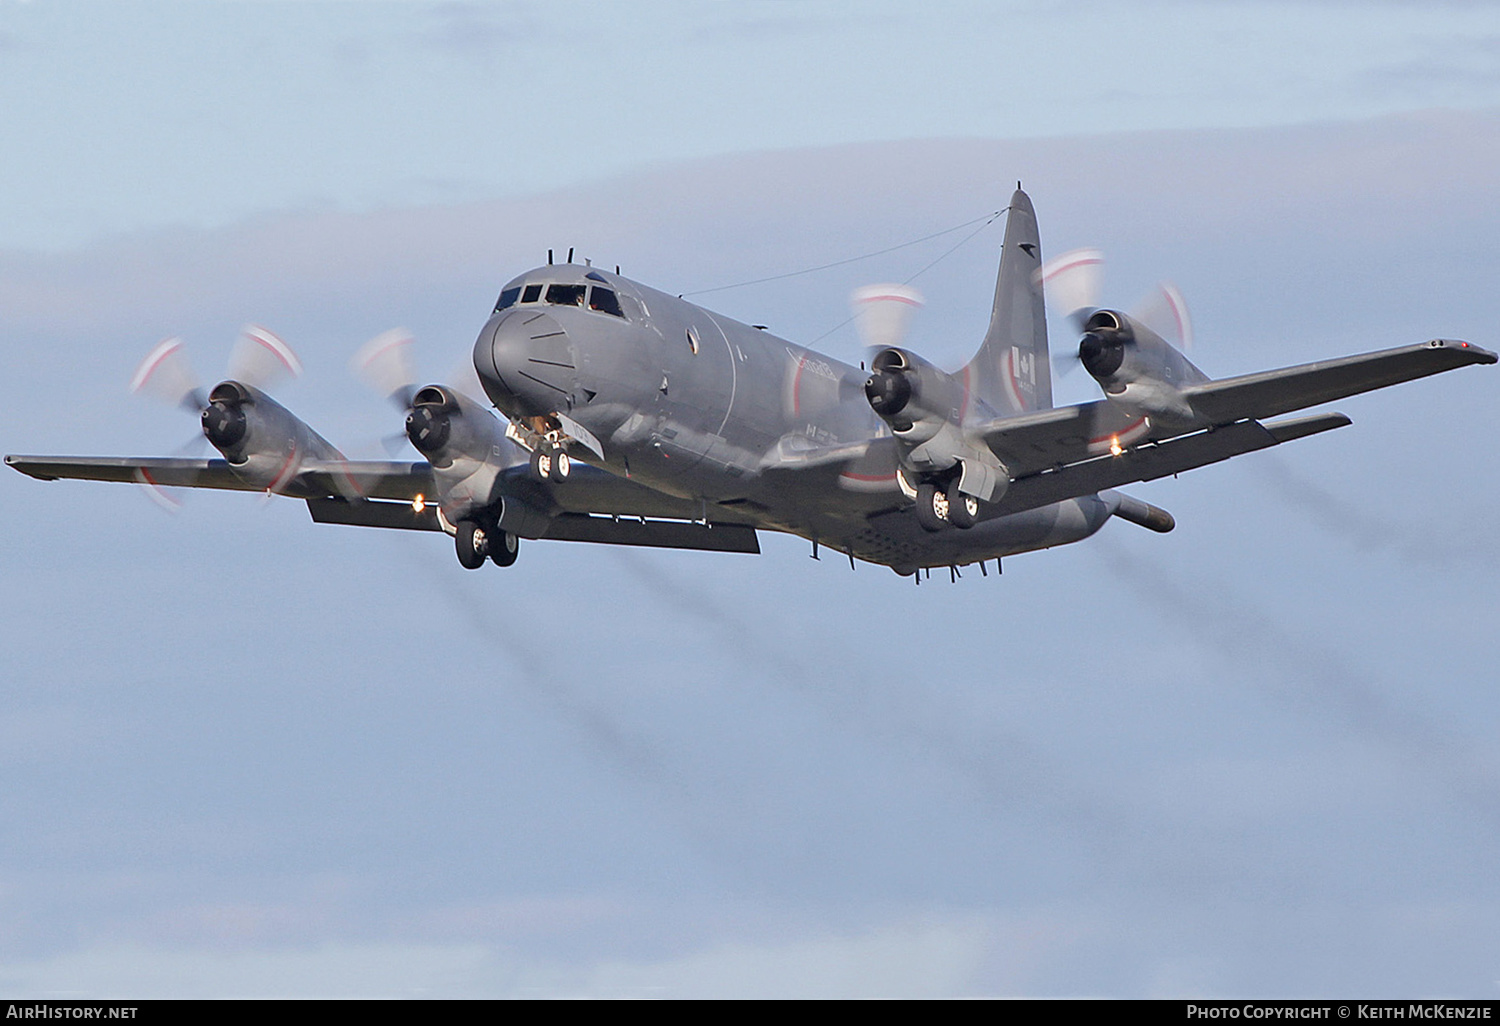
(705,408)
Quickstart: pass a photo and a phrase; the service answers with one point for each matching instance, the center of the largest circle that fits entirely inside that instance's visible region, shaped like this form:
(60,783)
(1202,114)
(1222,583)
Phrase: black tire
(541,464)
(963,510)
(472,544)
(504,547)
(562,465)
(932,508)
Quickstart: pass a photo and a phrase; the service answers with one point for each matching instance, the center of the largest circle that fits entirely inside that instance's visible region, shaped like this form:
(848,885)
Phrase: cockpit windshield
(599,299)
(605,301)
(565,295)
(508,298)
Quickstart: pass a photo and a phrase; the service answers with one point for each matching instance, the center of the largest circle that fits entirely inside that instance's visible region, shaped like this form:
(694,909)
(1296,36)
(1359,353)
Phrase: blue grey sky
(249,755)
(122,116)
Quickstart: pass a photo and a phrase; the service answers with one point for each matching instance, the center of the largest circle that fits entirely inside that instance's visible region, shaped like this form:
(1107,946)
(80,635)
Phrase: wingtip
(1475,354)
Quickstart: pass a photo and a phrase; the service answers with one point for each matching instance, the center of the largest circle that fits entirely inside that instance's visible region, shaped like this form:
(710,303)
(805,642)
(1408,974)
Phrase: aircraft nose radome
(526,355)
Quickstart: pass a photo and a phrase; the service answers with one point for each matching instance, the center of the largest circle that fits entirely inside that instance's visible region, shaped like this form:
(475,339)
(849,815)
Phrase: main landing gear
(946,507)
(475,542)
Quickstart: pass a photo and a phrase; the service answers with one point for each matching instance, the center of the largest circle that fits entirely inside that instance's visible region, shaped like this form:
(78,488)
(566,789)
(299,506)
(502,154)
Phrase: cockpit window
(605,301)
(532,294)
(565,295)
(508,298)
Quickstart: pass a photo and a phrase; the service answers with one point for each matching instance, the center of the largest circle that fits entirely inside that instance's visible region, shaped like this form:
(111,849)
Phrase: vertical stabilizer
(1012,372)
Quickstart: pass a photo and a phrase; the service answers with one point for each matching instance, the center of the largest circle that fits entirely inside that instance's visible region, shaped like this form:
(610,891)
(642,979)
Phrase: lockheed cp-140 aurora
(631,416)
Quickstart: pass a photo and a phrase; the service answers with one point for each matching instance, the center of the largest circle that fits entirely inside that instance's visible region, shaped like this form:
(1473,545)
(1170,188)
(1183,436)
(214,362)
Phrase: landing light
(1114,446)
(419,503)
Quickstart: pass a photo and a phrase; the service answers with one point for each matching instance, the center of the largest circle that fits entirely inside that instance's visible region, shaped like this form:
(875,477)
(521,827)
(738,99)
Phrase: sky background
(244,754)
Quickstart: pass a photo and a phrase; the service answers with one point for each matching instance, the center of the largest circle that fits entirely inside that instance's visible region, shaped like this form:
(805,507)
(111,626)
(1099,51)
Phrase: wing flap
(376,513)
(1057,437)
(580,527)
(660,534)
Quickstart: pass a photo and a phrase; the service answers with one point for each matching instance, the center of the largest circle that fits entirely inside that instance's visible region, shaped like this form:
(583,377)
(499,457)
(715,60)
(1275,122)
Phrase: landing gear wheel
(562,464)
(932,508)
(504,547)
(541,464)
(472,543)
(963,510)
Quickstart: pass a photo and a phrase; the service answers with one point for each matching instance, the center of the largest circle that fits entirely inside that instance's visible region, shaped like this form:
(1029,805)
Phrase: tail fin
(1012,372)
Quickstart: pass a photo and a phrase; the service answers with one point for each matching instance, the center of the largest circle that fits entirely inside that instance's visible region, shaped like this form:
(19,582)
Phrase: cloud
(1448,70)
(477,33)
(920,959)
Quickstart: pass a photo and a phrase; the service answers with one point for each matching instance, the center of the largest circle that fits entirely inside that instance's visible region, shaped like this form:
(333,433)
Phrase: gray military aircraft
(632,417)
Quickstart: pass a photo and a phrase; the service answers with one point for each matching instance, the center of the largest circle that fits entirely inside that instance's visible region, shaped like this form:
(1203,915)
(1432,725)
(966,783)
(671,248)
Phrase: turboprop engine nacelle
(263,441)
(464,443)
(1136,366)
(912,396)
(925,408)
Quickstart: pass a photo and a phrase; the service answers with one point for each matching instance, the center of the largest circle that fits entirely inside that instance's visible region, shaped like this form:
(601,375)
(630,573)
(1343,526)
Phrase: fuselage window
(532,294)
(508,298)
(605,301)
(565,295)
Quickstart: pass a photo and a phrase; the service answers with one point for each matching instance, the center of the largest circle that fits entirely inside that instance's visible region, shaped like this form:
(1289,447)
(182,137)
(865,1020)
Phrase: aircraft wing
(1049,439)
(376,479)
(592,505)
(1272,393)
(1077,450)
